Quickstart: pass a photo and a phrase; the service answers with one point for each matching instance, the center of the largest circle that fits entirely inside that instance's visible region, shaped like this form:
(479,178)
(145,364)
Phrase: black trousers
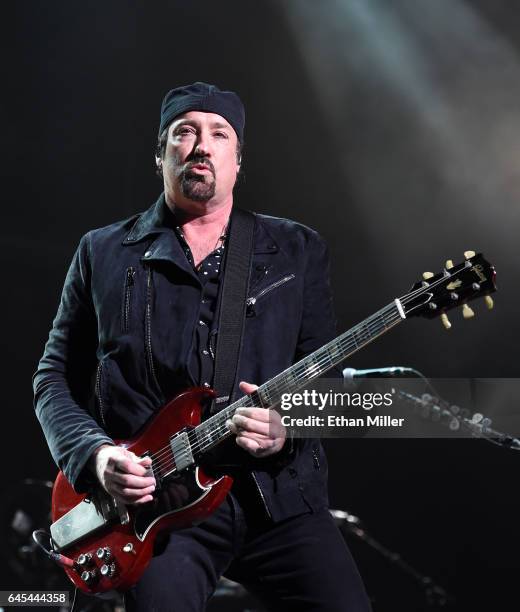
(300,564)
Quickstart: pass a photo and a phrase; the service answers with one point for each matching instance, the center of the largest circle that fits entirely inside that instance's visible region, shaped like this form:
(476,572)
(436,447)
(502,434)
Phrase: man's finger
(144,461)
(134,482)
(253,425)
(127,466)
(131,493)
(134,501)
(143,500)
(260,414)
(248,444)
(263,441)
(246,387)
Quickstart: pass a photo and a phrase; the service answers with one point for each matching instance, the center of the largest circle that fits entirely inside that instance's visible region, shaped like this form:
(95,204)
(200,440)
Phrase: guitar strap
(239,255)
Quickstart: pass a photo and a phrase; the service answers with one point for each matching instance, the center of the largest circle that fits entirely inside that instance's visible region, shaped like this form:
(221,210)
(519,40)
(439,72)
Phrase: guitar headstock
(455,286)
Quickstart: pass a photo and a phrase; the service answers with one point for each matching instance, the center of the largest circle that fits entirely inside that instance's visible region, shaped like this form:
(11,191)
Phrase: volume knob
(103,553)
(84,559)
(107,571)
(88,576)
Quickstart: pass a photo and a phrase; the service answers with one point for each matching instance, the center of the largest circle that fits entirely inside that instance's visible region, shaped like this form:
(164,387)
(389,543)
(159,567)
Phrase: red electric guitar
(108,545)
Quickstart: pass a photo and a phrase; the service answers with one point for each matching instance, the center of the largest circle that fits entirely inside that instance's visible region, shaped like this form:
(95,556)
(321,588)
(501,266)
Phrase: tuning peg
(449,264)
(469,254)
(445,321)
(489,302)
(467,312)
(427,275)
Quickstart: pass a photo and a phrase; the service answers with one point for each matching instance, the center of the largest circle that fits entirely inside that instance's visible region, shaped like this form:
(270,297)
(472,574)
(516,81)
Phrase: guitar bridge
(85,518)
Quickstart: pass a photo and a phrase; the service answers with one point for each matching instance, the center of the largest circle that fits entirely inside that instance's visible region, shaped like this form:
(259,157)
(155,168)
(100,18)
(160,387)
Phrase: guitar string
(364,332)
(222,417)
(345,344)
(386,314)
(360,330)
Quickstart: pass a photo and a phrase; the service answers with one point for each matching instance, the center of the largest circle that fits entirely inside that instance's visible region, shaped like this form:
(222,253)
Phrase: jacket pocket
(251,301)
(127,299)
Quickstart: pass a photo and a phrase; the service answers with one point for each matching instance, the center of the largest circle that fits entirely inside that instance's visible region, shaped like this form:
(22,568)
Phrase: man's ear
(158,165)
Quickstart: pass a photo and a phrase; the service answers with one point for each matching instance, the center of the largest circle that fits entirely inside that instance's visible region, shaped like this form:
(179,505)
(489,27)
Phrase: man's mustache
(204,161)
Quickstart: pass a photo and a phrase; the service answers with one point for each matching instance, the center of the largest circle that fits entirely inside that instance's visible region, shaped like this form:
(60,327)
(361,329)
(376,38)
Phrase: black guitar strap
(239,254)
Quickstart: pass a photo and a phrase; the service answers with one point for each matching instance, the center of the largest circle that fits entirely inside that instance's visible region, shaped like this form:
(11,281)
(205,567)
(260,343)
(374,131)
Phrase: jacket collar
(152,221)
(157,220)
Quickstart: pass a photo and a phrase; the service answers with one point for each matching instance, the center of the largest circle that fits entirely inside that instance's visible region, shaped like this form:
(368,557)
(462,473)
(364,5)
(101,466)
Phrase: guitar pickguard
(178,492)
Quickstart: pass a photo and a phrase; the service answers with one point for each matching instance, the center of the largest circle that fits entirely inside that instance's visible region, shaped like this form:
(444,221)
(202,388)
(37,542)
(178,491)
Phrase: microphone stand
(349,524)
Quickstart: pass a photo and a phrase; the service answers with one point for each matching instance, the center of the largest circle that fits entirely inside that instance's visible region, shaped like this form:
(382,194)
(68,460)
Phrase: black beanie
(207,98)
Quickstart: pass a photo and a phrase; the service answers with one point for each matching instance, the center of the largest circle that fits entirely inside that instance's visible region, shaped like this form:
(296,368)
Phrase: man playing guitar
(138,323)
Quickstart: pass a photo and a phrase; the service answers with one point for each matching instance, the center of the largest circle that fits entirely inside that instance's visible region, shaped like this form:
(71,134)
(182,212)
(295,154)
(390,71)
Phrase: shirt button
(206,385)
(205,352)
(202,323)
(148,253)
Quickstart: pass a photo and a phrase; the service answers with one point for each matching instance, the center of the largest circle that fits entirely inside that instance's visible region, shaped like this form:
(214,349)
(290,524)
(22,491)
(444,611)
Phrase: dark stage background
(392,127)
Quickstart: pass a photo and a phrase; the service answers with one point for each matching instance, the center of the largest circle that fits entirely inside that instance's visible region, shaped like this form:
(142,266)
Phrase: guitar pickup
(181,451)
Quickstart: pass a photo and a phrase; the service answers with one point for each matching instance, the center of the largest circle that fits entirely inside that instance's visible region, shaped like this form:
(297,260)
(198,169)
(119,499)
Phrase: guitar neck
(214,430)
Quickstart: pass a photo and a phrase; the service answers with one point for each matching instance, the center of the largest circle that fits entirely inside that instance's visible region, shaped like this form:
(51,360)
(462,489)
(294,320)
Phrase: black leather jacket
(120,343)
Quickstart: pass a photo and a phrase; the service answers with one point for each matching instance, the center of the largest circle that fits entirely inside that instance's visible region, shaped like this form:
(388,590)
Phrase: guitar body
(112,544)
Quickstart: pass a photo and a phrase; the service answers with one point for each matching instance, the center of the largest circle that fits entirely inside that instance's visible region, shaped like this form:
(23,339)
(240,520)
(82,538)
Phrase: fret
(262,397)
(358,338)
(312,369)
(207,435)
(389,315)
(289,378)
(334,352)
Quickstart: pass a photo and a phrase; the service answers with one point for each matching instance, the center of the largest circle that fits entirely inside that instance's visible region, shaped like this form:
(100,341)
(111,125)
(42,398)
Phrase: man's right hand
(123,474)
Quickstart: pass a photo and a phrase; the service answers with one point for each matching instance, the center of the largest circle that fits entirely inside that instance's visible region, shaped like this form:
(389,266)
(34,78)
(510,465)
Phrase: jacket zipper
(98,393)
(316,459)
(148,341)
(251,301)
(261,495)
(129,283)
